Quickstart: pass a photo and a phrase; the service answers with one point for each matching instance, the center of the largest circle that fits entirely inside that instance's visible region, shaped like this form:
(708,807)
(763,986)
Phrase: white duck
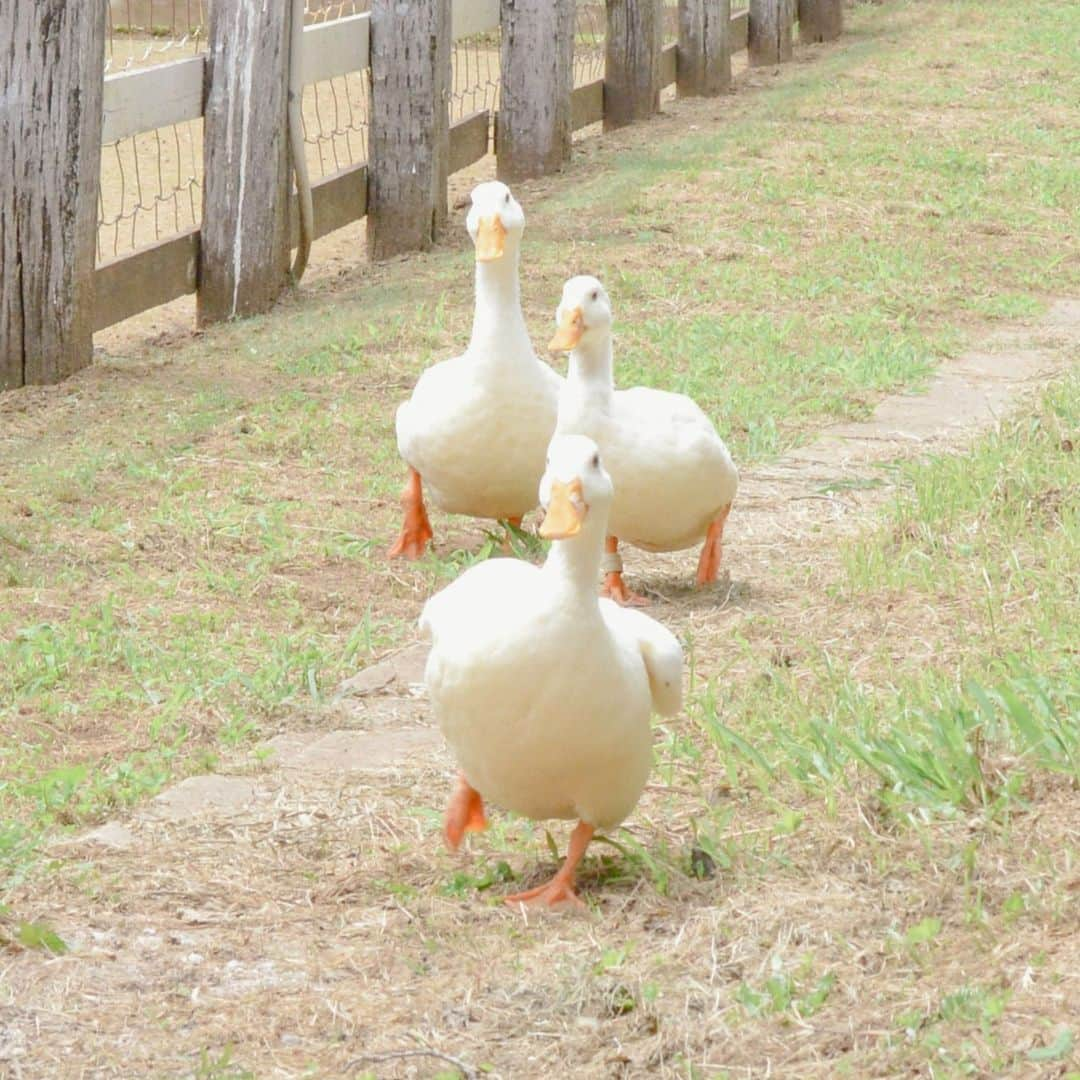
(542,689)
(674,478)
(476,427)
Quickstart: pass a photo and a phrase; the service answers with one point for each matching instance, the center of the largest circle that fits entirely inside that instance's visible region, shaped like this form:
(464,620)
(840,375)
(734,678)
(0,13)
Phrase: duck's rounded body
(543,690)
(544,703)
(674,478)
(475,428)
(672,472)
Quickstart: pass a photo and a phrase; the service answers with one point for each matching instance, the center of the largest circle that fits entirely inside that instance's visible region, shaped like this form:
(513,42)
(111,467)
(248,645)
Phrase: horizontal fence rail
(137,101)
(143,100)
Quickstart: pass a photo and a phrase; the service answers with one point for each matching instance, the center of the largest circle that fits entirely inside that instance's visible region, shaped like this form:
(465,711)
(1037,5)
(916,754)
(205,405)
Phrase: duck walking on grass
(544,690)
(674,478)
(476,427)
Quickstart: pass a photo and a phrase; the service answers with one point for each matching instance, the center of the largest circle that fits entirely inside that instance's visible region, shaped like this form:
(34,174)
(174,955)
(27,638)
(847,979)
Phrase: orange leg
(712,551)
(614,586)
(416,529)
(559,891)
(465,813)
(512,522)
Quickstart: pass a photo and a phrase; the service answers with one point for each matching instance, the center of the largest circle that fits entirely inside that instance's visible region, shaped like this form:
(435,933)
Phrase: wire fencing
(589,30)
(475,73)
(152,183)
(335,112)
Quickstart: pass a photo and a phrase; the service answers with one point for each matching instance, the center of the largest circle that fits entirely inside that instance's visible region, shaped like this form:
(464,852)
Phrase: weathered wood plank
(587,104)
(408,142)
(704,66)
(335,48)
(155,275)
(244,254)
(632,61)
(338,201)
(740,30)
(469,140)
(537,75)
(669,64)
(154,97)
(52,63)
(470,17)
(769,39)
(820,20)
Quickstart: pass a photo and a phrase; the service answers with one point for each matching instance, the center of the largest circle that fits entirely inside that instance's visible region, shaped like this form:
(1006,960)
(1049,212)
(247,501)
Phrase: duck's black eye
(596,460)
(507,199)
(595,295)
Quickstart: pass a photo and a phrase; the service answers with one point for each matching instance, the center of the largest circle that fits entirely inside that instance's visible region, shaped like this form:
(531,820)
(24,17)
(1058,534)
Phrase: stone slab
(360,751)
(197,795)
(394,674)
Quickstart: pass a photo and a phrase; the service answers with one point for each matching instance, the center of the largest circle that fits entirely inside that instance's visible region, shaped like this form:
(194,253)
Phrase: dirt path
(299,913)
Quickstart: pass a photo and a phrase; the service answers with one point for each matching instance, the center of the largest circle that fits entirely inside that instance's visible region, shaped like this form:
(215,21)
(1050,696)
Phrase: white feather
(543,691)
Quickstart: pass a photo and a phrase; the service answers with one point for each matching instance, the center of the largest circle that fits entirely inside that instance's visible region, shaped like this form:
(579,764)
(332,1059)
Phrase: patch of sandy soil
(304,913)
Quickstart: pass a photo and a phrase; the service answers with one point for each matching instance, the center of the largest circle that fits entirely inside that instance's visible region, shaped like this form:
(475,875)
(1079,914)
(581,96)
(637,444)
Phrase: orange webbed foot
(416,531)
(615,588)
(465,813)
(556,895)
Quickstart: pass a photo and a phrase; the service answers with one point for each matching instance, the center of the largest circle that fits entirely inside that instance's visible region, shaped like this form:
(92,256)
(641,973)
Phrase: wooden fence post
(820,20)
(409,136)
(632,61)
(244,248)
(536,58)
(704,58)
(52,63)
(769,38)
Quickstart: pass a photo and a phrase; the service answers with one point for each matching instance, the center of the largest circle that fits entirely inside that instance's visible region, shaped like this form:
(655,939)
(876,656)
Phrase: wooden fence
(237,260)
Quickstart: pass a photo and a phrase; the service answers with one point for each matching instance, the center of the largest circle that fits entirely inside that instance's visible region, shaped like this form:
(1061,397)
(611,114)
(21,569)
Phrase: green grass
(191,553)
(957,719)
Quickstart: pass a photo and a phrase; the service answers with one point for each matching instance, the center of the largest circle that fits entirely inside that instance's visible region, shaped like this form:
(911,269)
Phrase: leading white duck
(542,689)
(476,427)
(674,478)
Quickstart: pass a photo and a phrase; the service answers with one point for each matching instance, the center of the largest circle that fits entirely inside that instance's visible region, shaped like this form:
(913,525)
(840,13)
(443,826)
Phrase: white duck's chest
(478,435)
(547,718)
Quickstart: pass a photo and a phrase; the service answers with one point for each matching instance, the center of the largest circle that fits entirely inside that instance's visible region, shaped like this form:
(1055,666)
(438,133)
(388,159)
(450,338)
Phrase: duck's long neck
(589,382)
(573,566)
(497,317)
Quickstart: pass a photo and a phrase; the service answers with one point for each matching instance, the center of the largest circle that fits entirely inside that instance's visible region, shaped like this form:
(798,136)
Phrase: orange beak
(571,327)
(565,512)
(490,239)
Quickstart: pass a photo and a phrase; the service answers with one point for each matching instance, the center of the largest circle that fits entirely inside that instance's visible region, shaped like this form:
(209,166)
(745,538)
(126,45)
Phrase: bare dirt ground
(301,918)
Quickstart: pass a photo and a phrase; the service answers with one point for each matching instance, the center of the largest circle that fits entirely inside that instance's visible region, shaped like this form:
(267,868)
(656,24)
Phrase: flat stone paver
(201,794)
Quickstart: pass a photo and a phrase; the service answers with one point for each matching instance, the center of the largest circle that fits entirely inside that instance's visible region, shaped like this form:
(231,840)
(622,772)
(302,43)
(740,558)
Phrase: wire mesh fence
(146,32)
(335,112)
(589,29)
(152,182)
(475,73)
